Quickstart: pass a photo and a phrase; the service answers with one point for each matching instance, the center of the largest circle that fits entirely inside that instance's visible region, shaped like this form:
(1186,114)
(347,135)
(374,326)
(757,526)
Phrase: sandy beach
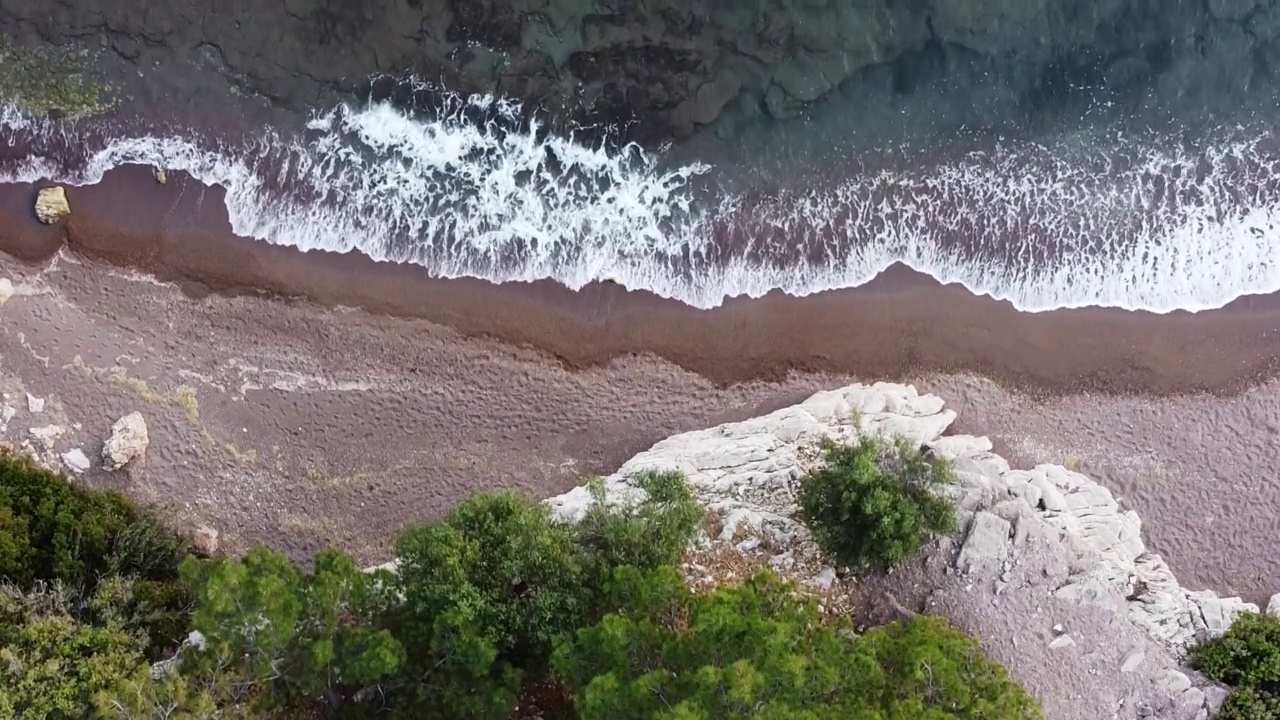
(268,426)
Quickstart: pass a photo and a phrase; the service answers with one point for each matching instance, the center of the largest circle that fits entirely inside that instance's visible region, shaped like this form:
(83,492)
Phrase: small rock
(47,435)
(1190,702)
(128,440)
(205,541)
(1132,660)
(1058,628)
(1173,682)
(1061,641)
(158,174)
(34,404)
(748,545)
(1214,697)
(1273,606)
(75,460)
(51,205)
(6,290)
(825,578)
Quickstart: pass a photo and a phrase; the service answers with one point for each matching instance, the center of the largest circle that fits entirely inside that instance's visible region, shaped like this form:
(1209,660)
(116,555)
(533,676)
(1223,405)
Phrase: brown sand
(315,424)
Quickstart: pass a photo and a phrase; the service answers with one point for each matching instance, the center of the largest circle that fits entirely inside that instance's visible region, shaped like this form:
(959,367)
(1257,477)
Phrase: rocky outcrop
(1037,548)
(51,205)
(661,69)
(128,441)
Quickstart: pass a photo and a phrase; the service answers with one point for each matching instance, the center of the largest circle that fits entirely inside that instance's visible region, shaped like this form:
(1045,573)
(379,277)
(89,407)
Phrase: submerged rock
(52,205)
(128,441)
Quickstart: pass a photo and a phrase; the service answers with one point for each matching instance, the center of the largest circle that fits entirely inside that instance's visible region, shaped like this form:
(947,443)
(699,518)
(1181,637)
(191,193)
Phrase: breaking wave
(1120,223)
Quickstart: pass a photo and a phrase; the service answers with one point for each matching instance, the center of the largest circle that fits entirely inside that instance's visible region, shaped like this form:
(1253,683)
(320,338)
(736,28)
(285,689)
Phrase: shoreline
(902,324)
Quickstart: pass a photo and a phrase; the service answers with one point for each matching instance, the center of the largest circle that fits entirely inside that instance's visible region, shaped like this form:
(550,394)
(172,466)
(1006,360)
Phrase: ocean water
(1137,223)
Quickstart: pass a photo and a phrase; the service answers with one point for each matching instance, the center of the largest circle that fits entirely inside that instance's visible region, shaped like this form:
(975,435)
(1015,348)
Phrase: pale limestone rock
(1132,660)
(1061,641)
(1273,606)
(51,205)
(986,545)
(128,440)
(34,404)
(47,435)
(75,461)
(1174,682)
(205,541)
(6,290)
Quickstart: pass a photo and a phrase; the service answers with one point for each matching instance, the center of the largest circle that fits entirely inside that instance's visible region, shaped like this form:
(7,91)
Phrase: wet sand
(339,398)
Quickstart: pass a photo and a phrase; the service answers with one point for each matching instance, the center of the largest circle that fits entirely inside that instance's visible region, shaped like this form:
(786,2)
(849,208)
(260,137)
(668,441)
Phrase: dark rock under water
(875,71)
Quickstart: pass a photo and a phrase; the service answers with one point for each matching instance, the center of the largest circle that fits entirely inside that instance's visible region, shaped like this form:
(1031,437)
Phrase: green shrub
(1247,654)
(51,530)
(55,657)
(873,503)
(758,651)
(646,535)
(301,636)
(1250,703)
(486,593)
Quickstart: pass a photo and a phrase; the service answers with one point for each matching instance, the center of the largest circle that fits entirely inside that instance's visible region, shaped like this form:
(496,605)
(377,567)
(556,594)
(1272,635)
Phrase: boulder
(205,541)
(128,440)
(6,290)
(51,205)
(1273,606)
(34,404)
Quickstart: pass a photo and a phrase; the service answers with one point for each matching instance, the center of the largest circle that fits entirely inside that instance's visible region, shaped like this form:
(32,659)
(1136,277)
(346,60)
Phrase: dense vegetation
(1247,658)
(495,612)
(872,504)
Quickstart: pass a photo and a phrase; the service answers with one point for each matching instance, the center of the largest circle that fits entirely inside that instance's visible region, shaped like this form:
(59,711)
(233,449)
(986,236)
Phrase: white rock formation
(6,290)
(34,404)
(51,205)
(1048,543)
(128,440)
(1273,606)
(746,473)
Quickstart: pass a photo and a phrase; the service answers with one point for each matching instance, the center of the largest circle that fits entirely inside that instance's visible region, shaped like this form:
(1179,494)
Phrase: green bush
(486,593)
(57,653)
(647,535)
(1247,654)
(51,530)
(1250,703)
(758,651)
(873,504)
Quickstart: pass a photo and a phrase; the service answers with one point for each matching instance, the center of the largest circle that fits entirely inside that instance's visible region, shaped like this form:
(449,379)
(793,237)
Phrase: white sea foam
(1128,225)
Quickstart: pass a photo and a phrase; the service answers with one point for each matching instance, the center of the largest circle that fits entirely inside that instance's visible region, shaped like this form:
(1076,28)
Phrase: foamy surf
(1128,225)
